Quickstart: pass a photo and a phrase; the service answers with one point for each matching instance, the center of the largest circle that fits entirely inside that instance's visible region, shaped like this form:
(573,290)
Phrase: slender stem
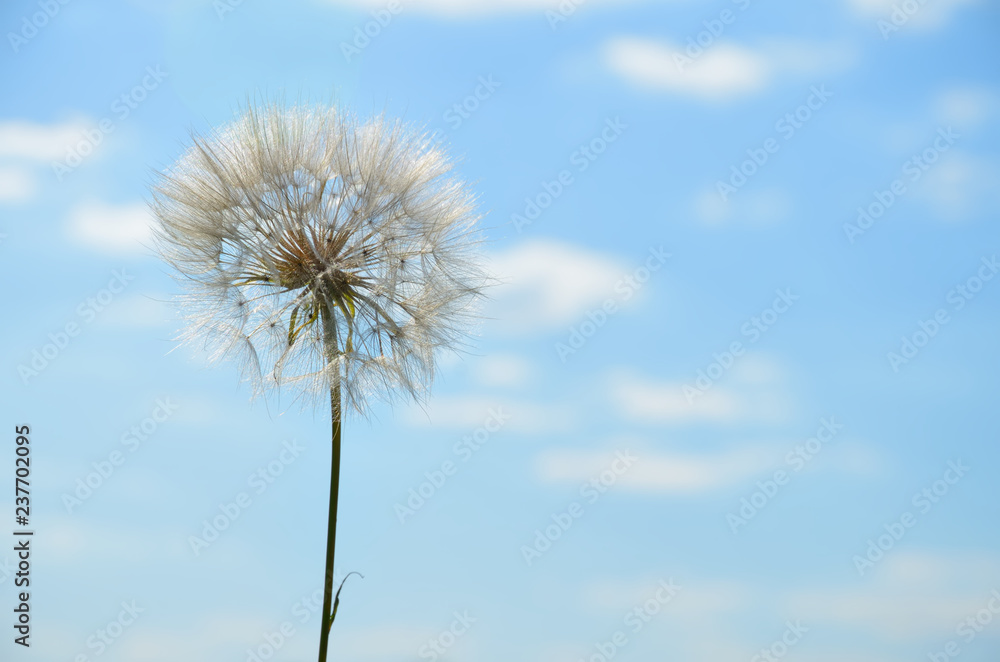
(330,341)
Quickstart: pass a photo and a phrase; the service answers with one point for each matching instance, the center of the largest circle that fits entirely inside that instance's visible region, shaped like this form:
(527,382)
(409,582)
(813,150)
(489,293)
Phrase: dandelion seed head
(317,251)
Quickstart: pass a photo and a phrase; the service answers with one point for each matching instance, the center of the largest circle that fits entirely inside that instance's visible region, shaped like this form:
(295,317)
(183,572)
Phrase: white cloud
(657,472)
(39,142)
(900,614)
(759,207)
(549,285)
(753,397)
(911,604)
(960,185)
(468,412)
(17,184)
(666,402)
(965,107)
(723,70)
(930,15)
(25,145)
(111,229)
(502,370)
(912,600)
(937,571)
(912,596)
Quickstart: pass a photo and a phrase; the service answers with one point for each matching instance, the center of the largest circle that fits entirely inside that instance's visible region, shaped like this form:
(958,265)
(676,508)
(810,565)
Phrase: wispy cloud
(657,472)
(753,394)
(961,186)
(915,596)
(723,71)
(39,142)
(24,148)
(467,412)
(510,370)
(757,208)
(17,184)
(113,229)
(965,107)
(929,15)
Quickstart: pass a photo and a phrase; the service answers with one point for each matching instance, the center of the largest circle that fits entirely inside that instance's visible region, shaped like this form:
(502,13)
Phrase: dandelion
(325,255)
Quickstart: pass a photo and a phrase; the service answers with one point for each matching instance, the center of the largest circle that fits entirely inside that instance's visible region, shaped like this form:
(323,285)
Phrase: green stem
(330,342)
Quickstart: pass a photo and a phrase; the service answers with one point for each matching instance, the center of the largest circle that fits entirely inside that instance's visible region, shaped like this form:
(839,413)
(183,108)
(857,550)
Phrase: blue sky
(764,342)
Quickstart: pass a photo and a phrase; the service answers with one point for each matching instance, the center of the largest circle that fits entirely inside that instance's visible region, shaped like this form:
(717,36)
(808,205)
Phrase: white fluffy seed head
(320,251)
